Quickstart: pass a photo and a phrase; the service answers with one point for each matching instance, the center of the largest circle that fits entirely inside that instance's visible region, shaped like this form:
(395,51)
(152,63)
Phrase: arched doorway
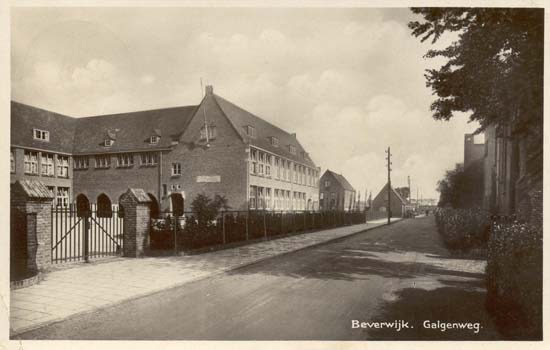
(154,207)
(82,206)
(176,204)
(104,207)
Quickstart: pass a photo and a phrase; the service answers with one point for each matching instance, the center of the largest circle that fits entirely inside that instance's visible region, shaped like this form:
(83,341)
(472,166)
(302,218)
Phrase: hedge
(514,279)
(463,229)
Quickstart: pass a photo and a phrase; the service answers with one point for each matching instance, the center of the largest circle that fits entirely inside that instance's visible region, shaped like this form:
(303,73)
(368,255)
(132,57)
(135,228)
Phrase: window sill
(102,167)
(31,174)
(147,165)
(175,175)
(124,166)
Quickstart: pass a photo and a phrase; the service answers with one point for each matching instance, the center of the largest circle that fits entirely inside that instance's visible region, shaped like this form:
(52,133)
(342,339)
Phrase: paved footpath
(88,287)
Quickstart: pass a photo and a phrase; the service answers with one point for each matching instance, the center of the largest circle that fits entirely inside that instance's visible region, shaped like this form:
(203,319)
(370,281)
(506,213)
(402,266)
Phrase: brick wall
(37,227)
(226,158)
(136,225)
(114,181)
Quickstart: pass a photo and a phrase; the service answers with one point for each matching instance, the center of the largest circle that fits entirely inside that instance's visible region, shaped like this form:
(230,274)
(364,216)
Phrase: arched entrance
(104,207)
(176,204)
(154,207)
(82,205)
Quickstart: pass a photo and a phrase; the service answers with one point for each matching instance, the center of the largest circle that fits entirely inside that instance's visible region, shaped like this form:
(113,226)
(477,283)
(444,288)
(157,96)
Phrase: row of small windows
(124,160)
(45,164)
(277,199)
(111,141)
(265,164)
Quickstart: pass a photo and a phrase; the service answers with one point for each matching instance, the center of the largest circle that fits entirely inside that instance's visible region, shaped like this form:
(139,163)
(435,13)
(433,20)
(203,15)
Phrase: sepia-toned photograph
(276,173)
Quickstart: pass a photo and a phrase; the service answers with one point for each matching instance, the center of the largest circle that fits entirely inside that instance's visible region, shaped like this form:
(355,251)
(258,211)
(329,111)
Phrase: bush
(514,279)
(463,229)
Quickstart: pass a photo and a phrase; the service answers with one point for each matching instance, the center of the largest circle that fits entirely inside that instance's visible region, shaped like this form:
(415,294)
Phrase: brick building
(335,192)
(216,148)
(513,172)
(398,205)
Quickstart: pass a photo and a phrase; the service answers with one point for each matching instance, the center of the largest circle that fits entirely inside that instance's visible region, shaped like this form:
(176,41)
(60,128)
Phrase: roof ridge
(139,111)
(42,109)
(268,122)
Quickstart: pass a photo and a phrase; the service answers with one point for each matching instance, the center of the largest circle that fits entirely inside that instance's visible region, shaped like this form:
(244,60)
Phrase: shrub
(463,229)
(514,279)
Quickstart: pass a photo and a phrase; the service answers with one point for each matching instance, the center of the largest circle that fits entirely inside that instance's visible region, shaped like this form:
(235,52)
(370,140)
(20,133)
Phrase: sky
(348,81)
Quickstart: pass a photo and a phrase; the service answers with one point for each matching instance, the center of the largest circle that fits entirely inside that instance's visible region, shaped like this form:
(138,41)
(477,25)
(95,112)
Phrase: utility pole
(388,158)
(410,193)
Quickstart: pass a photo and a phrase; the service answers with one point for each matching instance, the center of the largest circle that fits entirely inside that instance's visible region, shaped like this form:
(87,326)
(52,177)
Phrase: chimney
(209,90)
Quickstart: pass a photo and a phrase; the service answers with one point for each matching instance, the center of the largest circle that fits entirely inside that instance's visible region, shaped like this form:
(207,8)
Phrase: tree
(207,209)
(462,188)
(495,68)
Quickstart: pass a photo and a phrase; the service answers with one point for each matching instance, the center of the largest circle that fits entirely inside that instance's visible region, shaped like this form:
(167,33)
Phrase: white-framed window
(108,142)
(81,162)
(46,164)
(62,166)
(42,135)
(62,196)
(149,158)
(274,141)
(260,169)
(252,201)
(261,198)
(212,132)
(251,131)
(102,161)
(268,198)
(154,139)
(125,160)
(12,161)
(176,169)
(31,162)
(322,195)
(292,149)
(52,191)
(327,183)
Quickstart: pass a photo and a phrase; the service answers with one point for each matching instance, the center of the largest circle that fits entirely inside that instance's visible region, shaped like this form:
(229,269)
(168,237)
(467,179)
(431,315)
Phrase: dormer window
(251,131)
(108,142)
(292,149)
(154,139)
(274,141)
(41,135)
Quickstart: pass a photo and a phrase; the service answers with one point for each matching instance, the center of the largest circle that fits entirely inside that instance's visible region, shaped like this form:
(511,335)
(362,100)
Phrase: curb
(14,334)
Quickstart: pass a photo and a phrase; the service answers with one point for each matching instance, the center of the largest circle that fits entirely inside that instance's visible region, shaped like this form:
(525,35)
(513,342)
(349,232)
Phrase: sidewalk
(85,288)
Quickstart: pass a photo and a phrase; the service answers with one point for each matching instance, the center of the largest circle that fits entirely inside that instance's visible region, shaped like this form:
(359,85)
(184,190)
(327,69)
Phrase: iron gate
(79,236)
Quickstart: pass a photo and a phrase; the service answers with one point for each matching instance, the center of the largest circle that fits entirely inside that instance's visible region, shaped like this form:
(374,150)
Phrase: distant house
(398,204)
(335,192)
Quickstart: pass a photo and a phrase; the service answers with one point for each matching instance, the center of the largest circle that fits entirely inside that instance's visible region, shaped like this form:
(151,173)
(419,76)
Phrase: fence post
(265,228)
(293,221)
(175,235)
(304,214)
(86,237)
(281,223)
(223,227)
(247,223)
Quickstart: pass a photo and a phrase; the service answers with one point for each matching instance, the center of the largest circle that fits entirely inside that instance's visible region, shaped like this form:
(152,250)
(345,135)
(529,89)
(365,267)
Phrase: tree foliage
(207,209)
(462,188)
(495,68)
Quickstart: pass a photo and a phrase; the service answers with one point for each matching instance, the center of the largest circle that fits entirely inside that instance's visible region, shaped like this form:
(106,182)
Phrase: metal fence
(192,231)
(79,236)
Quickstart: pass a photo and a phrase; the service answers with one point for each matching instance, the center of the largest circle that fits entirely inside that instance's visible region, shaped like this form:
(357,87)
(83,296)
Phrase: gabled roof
(241,118)
(133,130)
(25,118)
(341,180)
(385,188)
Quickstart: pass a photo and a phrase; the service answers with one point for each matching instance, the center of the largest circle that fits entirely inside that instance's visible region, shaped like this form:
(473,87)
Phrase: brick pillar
(136,205)
(32,200)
